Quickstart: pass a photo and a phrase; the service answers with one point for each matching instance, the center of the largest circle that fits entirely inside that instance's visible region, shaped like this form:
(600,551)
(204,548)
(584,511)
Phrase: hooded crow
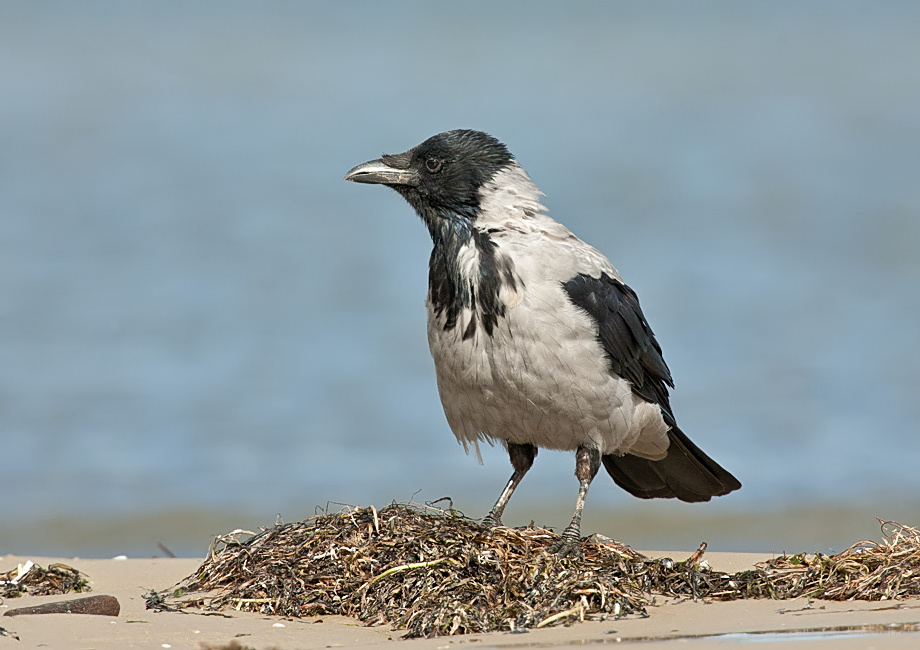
(536,340)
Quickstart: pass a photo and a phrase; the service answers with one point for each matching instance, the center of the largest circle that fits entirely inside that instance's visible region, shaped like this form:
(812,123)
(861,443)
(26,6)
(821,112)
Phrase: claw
(569,545)
(491,521)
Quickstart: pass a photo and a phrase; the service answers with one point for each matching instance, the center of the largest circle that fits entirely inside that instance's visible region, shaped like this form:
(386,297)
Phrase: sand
(672,623)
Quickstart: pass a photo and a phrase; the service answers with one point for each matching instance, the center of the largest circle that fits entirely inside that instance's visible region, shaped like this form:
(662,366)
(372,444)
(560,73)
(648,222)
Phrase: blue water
(198,314)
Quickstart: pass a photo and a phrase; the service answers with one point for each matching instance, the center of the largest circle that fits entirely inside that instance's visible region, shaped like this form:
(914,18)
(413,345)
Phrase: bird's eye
(433,165)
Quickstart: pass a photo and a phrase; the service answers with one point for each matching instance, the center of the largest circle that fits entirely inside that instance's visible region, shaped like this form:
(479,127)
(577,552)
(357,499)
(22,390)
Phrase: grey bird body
(536,340)
(541,376)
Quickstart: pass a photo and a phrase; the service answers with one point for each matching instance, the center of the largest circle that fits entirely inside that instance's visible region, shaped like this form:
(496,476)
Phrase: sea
(203,327)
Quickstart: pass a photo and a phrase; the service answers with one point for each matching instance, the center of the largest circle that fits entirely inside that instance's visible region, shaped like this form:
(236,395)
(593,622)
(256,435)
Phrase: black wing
(686,473)
(625,335)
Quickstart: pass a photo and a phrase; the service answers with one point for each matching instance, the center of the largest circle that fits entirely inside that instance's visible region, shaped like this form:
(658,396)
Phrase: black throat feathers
(451,290)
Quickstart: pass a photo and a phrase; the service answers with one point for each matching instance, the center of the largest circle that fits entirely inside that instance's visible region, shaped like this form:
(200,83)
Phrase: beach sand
(671,624)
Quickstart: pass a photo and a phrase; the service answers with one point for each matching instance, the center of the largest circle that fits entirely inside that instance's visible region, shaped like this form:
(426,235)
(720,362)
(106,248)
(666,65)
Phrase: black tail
(685,473)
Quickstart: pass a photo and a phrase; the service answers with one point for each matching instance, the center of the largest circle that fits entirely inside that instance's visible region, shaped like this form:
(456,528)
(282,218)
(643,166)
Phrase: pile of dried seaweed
(428,571)
(884,570)
(31,579)
(866,571)
(434,572)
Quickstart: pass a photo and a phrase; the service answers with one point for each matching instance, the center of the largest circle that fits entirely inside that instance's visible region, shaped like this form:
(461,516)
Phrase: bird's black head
(441,177)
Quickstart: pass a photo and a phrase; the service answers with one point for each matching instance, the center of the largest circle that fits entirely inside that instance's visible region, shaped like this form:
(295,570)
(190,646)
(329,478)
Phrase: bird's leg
(521,459)
(587,462)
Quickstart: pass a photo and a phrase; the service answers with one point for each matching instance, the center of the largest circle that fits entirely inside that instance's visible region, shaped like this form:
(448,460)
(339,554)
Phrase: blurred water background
(203,327)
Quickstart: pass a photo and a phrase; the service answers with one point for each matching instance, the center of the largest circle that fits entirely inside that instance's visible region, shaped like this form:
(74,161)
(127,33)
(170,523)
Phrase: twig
(580,610)
(404,567)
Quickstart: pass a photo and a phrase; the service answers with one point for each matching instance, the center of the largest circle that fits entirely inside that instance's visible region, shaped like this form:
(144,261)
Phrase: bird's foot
(569,545)
(491,521)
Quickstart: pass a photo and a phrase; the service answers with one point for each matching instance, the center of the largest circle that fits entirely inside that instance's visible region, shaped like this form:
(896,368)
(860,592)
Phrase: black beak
(378,172)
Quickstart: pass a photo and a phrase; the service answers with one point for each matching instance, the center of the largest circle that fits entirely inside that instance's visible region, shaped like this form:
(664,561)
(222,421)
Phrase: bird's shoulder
(544,250)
